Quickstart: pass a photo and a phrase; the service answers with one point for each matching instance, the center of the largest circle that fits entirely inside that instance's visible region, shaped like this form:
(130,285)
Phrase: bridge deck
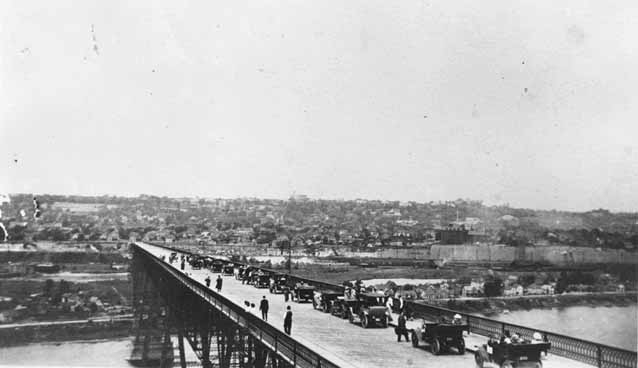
(345,344)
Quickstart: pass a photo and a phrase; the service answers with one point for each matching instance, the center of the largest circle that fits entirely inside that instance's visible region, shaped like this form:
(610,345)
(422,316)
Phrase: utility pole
(289,256)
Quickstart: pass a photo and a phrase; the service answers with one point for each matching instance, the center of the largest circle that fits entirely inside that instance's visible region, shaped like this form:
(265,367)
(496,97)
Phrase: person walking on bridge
(207,280)
(288,321)
(401,330)
(218,284)
(263,307)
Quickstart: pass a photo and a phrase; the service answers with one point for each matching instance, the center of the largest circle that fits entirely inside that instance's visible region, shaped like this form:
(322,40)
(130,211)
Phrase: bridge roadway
(345,344)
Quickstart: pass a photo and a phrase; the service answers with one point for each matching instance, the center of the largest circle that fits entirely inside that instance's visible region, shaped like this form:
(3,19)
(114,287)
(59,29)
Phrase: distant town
(309,222)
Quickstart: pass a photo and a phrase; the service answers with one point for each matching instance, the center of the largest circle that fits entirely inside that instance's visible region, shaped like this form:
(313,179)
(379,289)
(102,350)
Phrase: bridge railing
(276,340)
(589,352)
(596,354)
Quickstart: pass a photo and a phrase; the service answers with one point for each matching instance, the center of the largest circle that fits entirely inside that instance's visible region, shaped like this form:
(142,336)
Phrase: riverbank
(16,334)
(491,306)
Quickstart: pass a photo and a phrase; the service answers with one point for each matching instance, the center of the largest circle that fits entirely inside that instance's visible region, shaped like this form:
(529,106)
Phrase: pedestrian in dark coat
(401,330)
(218,284)
(286,295)
(288,321)
(263,307)
(207,280)
(182,265)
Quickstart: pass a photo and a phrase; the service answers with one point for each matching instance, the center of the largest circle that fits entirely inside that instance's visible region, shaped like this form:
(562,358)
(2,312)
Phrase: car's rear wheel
(415,340)
(365,322)
(324,307)
(461,346)
(435,347)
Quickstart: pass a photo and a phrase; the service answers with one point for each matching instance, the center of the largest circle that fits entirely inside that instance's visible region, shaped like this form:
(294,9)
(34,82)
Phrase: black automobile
(228,269)
(441,336)
(196,262)
(217,266)
(303,293)
(279,285)
(323,299)
(521,354)
(261,280)
(370,310)
(341,306)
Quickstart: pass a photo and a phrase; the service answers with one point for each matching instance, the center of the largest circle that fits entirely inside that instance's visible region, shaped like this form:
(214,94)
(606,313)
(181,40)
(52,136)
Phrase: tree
(493,286)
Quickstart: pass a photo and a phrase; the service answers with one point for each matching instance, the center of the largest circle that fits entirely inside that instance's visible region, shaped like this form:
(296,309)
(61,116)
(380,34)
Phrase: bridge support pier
(216,339)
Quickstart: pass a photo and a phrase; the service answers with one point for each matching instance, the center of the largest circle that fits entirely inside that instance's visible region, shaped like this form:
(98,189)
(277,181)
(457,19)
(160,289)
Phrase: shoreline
(491,306)
(60,331)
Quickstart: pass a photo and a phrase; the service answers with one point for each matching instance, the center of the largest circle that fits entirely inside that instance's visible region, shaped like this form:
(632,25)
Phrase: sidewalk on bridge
(474,341)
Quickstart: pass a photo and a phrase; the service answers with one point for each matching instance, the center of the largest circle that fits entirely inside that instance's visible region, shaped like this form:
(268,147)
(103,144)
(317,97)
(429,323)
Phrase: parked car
(369,309)
(441,336)
(228,269)
(217,266)
(261,280)
(279,284)
(323,299)
(302,292)
(512,355)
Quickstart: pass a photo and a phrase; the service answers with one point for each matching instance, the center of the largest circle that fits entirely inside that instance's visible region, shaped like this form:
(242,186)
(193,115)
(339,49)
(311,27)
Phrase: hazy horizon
(526,103)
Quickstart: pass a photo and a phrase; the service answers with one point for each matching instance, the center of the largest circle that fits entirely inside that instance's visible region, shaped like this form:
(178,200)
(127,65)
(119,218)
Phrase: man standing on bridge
(263,307)
(207,280)
(218,284)
(401,330)
(288,321)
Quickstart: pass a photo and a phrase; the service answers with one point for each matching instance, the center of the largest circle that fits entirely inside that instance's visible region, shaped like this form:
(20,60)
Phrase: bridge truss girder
(216,340)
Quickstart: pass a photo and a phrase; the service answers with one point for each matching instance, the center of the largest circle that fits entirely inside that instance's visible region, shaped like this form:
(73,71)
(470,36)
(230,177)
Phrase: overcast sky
(531,103)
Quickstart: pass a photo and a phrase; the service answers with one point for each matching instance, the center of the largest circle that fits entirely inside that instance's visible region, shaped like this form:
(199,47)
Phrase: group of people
(264,307)
(218,282)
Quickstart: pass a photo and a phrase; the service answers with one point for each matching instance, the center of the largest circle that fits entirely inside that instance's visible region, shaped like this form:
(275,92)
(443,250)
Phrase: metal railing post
(599,356)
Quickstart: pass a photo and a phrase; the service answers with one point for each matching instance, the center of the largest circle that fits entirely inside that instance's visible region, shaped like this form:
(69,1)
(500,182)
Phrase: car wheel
(415,340)
(324,308)
(435,347)
(365,322)
(478,359)
(461,346)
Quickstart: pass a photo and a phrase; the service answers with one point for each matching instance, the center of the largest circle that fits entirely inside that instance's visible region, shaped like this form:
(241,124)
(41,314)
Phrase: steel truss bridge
(219,330)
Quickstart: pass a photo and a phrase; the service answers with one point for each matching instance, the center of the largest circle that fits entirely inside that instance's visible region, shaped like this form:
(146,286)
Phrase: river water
(615,326)
(609,325)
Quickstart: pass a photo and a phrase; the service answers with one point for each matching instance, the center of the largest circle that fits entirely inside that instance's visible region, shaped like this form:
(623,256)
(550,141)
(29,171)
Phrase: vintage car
(524,354)
(341,306)
(323,299)
(196,262)
(217,266)
(261,280)
(441,336)
(369,309)
(228,269)
(302,292)
(279,285)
